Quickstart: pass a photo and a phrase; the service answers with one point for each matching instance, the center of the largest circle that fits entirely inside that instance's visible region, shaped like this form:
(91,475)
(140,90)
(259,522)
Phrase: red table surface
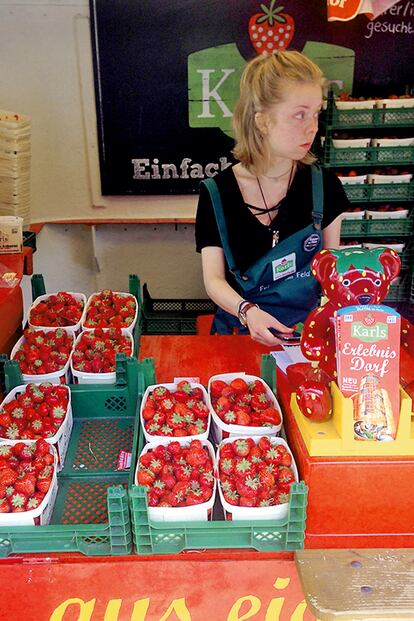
(201,356)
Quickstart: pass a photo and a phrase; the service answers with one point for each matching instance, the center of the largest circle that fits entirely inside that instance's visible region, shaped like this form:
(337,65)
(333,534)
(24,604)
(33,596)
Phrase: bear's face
(350,277)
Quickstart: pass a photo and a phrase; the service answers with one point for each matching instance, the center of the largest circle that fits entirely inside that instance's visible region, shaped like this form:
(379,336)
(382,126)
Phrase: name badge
(284,267)
(311,242)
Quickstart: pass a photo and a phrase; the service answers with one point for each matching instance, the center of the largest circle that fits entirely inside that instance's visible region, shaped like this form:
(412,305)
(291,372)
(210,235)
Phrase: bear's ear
(391,262)
(322,265)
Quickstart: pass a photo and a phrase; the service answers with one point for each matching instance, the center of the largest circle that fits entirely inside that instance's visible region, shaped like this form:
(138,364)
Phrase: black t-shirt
(249,239)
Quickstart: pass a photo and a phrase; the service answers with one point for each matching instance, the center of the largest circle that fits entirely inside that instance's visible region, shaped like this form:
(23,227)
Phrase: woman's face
(291,124)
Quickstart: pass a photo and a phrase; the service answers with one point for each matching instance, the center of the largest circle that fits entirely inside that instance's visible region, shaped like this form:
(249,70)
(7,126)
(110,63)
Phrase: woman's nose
(312,126)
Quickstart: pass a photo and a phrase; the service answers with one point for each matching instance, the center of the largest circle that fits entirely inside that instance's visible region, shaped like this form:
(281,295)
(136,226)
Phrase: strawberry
(242,418)
(241,447)
(239,385)
(25,485)
(42,448)
(8,476)
(33,503)
(18,502)
(216,388)
(5,451)
(246,501)
(5,506)
(232,497)
(145,477)
(271,30)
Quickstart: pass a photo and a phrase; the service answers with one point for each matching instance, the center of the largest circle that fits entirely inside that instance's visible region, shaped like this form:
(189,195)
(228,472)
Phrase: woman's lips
(307,145)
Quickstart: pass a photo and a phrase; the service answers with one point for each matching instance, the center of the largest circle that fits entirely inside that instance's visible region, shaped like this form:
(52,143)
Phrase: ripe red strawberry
(5,419)
(271,30)
(217,387)
(239,385)
(5,506)
(246,501)
(33,503)
(271,417)
(242,418)
(5,451)
(8,476)
(232,497)
(241,447)
(25,485)
(145,477)
(18,502)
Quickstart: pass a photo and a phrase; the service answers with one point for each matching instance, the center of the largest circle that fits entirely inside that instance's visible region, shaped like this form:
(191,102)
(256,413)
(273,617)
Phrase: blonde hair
(262,85)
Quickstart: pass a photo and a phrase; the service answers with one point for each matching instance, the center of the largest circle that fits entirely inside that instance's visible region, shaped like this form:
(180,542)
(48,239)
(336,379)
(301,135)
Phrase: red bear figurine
(348,277)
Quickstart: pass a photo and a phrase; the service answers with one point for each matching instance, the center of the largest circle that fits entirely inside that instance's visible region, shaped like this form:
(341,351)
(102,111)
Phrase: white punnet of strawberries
(26,473)
(255,475)
(243,403)
(37,412)
(95,351)
(107,309)
(177,475)
(179,412)
(43,352)
(57,310)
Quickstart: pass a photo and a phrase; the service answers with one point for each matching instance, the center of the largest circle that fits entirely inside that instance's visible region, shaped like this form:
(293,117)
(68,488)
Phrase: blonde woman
(260,222)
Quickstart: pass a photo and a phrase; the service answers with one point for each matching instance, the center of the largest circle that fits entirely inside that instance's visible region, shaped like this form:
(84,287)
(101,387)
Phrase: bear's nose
(364,299)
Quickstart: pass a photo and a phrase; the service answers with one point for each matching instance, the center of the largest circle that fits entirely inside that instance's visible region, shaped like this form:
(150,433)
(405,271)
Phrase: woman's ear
(260,119)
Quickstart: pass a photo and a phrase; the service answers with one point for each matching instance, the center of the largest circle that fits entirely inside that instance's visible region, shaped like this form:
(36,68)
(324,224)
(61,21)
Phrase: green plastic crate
(381,227)
(172,316)
(333,117)
(174,537)
(91,513)
(379,192)
(365,156)
(398,293)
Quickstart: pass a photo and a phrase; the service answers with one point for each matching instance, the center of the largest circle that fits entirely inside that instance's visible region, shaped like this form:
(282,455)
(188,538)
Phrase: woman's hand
(259,322)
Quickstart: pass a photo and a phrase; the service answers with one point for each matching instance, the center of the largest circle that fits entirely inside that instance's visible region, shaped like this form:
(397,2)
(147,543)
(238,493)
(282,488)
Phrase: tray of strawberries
(28,482)
(35,411)
(58,310)
(94,355)
(255,475)
(110,309)
(44,355)
(242,404)
(179,475)
(175,410)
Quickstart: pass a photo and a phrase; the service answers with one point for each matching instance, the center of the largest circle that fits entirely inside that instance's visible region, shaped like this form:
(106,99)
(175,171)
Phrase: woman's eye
(300,115)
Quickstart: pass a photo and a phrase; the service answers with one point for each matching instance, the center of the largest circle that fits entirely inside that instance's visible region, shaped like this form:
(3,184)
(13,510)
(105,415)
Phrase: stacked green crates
(91,513)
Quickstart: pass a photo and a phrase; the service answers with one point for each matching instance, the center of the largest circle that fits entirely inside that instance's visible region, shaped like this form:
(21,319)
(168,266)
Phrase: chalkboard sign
(167,76)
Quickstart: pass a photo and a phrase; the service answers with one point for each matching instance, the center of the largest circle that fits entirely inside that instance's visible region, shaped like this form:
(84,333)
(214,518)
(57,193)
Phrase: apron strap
(214,192)
(317,197)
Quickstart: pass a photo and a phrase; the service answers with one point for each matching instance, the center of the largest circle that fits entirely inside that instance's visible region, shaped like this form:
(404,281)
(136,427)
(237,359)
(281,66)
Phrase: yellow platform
(335,437)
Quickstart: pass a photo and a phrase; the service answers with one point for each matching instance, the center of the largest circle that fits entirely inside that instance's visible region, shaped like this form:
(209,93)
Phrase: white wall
(46,72)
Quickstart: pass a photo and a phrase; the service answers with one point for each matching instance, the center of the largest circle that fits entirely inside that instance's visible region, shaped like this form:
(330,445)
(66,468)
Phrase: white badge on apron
(284,267)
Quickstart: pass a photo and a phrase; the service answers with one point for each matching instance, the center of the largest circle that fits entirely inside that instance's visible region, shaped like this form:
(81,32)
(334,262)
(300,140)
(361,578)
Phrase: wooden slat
(350,585)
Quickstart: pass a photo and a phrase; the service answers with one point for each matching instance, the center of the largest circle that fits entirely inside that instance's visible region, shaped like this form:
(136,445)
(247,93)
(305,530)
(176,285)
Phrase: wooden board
(348,585)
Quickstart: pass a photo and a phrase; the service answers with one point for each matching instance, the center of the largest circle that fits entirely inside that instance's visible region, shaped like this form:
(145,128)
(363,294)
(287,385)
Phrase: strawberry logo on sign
(369,320)
(271,30)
